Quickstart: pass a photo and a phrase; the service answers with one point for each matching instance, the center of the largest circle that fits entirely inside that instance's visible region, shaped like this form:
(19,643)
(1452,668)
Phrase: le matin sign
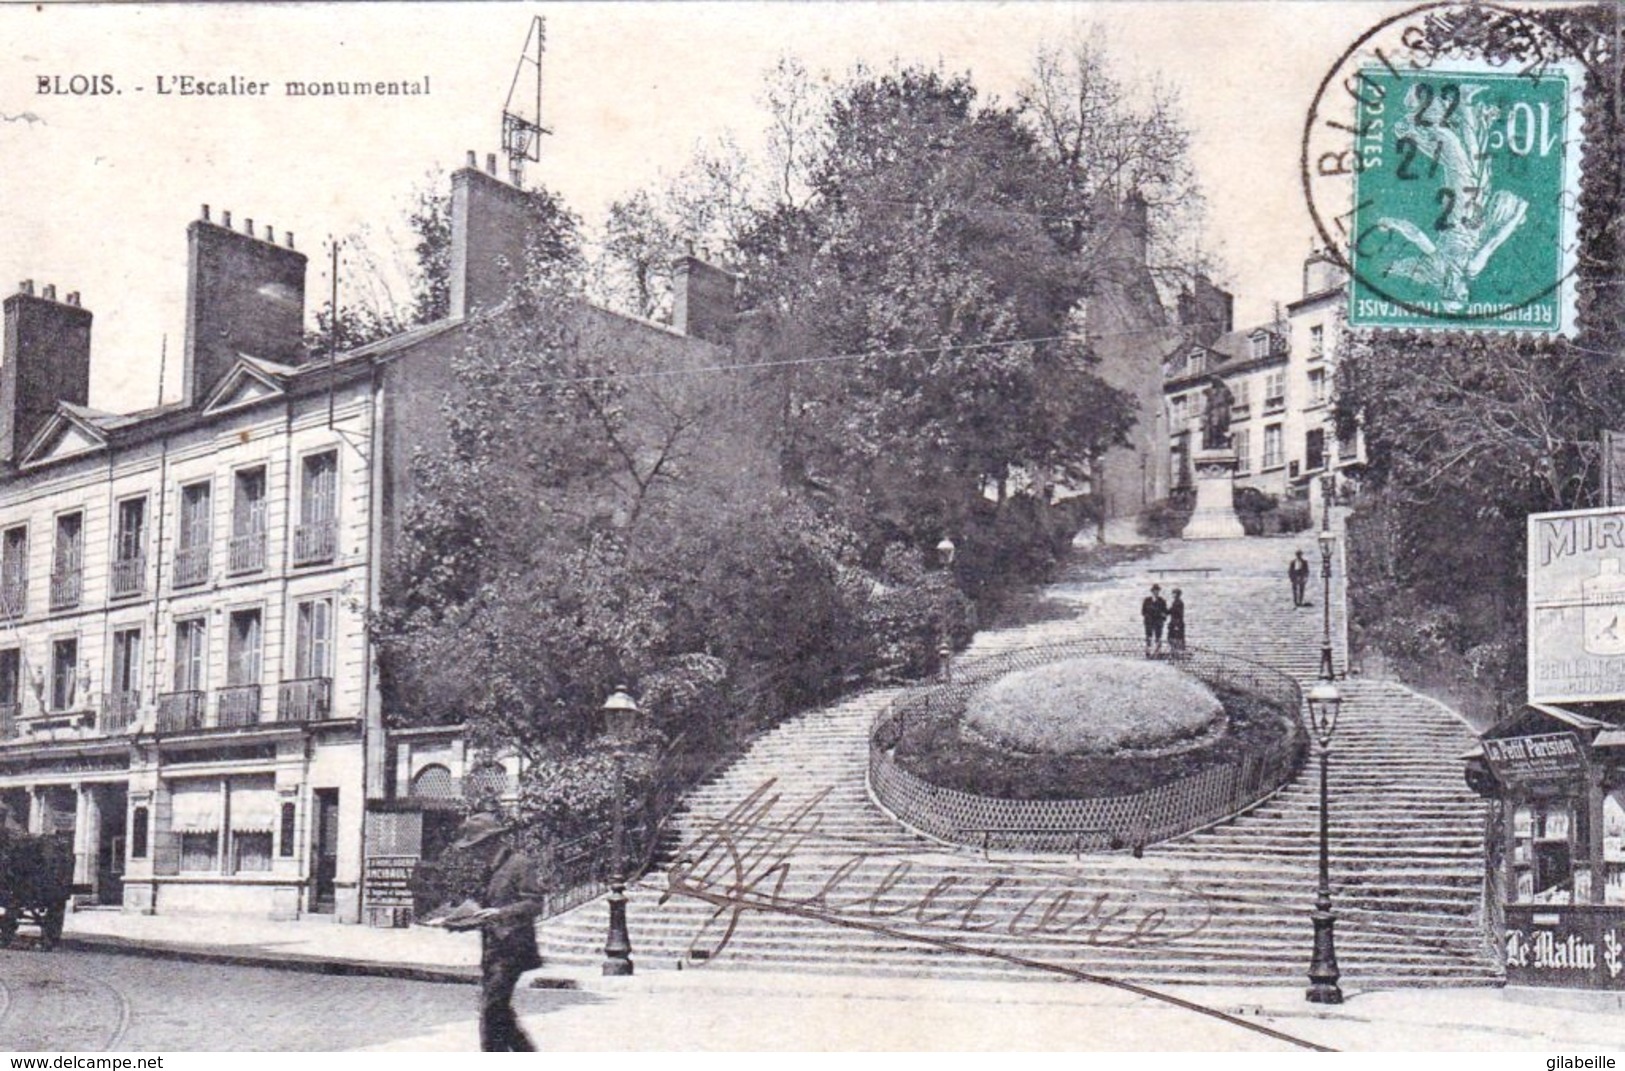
(1565,945)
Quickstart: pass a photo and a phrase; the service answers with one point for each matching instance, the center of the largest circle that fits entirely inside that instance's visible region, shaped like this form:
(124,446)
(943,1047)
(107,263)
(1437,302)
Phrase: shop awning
(1609,738)
(195,807)
(253,807)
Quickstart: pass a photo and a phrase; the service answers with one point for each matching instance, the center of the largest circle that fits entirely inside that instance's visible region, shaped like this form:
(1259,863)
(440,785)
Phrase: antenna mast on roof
(522,127)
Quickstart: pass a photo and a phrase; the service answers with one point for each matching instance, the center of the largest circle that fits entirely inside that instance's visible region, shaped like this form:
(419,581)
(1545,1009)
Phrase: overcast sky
(95,195)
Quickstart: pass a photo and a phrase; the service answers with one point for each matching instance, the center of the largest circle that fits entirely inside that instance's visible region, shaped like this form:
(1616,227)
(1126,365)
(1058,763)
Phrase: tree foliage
(736,533)
(1467,434)
(929,263)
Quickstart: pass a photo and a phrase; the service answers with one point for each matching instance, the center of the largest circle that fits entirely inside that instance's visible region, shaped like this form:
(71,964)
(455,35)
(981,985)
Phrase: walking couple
(1158,613)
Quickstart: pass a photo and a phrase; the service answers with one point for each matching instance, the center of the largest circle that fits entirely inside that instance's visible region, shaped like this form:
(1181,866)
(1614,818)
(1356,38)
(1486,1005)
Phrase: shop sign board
(1563,945)
(389,880)
(1577,605)
(1531,760)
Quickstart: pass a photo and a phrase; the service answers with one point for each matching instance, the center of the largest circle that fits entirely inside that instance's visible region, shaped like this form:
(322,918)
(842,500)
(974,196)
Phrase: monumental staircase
(834,884)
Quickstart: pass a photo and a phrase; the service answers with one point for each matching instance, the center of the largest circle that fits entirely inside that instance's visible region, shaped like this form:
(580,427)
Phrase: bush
(1250,500)
(1166,518)
(1295,516)
(1096,706)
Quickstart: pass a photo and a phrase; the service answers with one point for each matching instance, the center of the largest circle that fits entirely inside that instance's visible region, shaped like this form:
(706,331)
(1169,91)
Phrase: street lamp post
(1328,541)
(1324,704)
(620,709)
(945,649)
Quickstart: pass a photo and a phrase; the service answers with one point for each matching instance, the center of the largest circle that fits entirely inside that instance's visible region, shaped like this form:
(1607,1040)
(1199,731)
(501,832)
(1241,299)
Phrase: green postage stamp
(1466,192)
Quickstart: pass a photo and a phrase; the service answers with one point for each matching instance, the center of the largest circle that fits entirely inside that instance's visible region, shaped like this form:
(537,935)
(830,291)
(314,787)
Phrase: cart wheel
(50,930)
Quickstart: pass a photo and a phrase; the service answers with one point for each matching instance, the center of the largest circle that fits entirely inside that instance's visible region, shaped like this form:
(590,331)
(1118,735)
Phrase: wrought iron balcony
(239,706)
(315,542)
(309,699)
(8,720)
(119,711)
(191,565)
(180,711)
(67,584)
(130,575)
(247,553)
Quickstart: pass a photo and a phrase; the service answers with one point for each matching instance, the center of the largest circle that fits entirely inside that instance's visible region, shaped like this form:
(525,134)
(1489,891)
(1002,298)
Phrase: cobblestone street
(85,1002)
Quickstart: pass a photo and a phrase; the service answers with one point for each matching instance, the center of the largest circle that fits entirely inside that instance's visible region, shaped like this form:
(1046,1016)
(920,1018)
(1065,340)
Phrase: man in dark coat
(507,925)
(1154,612)
(1298,573)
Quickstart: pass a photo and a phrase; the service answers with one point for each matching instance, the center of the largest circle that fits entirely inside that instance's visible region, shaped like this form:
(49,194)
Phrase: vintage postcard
(812,526)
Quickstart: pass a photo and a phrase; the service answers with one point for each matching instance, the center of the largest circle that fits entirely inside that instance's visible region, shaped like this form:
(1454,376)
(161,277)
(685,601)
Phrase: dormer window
(1196,363)
(1258,344)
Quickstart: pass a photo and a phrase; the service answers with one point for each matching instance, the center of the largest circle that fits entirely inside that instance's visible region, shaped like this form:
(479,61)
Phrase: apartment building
(1282,379)
(187,685)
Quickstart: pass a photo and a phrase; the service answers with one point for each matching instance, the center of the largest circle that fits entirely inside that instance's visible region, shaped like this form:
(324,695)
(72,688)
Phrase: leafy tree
(929,264)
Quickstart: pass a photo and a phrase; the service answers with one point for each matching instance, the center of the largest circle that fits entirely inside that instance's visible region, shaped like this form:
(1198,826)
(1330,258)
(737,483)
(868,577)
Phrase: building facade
(1281,377)
(187,684)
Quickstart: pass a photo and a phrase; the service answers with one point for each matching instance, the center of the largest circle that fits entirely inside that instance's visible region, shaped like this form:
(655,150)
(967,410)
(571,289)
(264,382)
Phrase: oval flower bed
(1010,751)
(1095,706)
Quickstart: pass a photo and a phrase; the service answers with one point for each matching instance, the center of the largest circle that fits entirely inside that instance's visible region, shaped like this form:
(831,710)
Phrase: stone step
(1407,848)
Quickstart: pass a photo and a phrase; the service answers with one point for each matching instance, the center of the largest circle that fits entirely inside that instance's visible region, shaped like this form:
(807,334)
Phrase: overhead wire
(840,358)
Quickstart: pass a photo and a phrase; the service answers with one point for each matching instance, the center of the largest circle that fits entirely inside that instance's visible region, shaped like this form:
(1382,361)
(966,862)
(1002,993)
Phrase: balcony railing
(180,711)
(247,553)
(315,542)
(66,587)
(8,720)
(191,565)
(239,705)
(13,596)
(119,711)
(130,575)
(310,699)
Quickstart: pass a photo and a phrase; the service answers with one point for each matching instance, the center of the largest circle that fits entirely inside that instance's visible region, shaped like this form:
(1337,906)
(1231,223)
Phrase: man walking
(1154,612)
(1298,573)
(507,924)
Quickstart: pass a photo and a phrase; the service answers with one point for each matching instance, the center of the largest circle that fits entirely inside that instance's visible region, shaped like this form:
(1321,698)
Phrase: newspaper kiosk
(1558,871)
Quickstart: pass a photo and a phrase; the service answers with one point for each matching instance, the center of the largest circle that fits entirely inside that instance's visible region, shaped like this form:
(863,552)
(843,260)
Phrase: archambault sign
(1528,760)
(1577,605)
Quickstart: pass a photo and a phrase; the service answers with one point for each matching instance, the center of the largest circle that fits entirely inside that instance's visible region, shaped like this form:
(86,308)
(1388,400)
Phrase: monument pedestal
(1215,513)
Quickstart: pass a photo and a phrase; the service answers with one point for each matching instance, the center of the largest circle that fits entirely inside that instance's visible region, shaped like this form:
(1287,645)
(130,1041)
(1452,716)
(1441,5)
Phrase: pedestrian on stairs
(1176,626)
(1298,573)
(1154,612)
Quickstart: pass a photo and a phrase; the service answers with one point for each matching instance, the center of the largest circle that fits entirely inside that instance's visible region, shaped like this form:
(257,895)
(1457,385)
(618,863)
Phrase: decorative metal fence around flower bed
(1078,825)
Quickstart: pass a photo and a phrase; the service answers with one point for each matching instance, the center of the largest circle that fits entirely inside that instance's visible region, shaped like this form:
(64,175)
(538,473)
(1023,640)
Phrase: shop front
(1556,880)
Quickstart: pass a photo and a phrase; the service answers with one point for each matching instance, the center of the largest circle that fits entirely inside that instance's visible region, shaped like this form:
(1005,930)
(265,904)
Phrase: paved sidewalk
(697,1011)
(740,1011)
(312,944)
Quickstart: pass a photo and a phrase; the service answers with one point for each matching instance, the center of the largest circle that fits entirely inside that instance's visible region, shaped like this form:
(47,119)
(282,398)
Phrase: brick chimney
(702,300)
(493,225)
(1208,310)
(1322,273)
(47,360)
(244,295)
